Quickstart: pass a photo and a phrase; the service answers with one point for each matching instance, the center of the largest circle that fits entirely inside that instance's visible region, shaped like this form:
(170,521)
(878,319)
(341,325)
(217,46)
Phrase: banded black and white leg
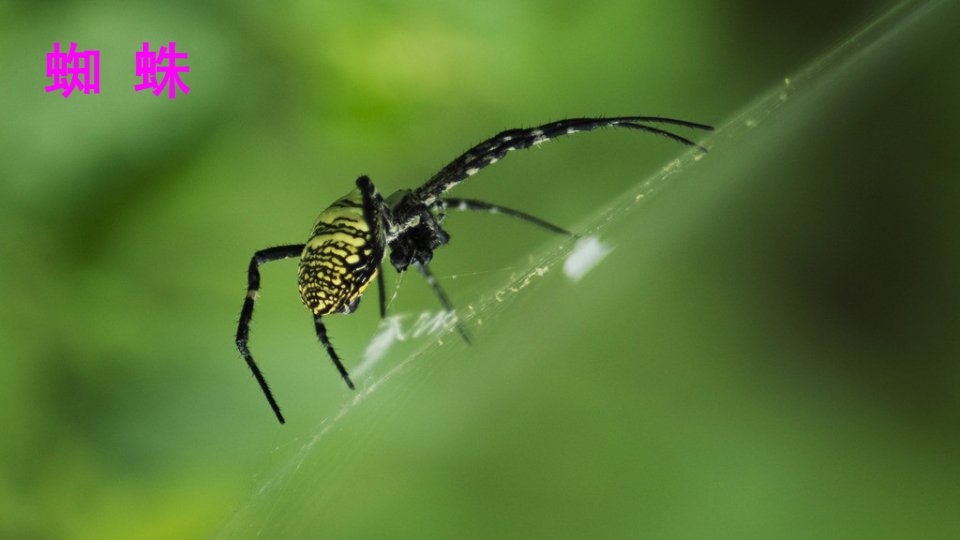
(495,148)
(246,314)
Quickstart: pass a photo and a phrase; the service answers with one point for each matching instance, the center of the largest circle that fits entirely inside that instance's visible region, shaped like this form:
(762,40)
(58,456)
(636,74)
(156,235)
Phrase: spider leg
(377,219)
(447,306)
(475,205)
(382,292)
(322,335)
(492,150)
(246,314)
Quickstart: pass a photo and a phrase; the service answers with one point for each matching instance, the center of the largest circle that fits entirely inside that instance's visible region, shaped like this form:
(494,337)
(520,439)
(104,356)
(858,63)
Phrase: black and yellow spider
(346,248)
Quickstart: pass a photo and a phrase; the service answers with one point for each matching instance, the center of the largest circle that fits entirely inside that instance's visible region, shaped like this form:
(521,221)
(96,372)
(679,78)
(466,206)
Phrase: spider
(346,248)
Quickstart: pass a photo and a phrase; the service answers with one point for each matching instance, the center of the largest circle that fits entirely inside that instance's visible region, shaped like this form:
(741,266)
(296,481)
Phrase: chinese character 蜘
(151,64)
(73,70)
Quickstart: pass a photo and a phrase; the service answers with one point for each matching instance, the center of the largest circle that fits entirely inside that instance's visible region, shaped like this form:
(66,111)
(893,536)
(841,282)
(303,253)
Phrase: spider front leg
(496,148)
(246,314)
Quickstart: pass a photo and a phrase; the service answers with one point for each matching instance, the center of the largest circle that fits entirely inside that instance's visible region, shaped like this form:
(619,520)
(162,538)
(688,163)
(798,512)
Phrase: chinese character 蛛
(151,65)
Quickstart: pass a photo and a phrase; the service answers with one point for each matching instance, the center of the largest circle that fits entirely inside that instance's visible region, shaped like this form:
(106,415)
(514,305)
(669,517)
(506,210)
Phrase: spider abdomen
(340,258)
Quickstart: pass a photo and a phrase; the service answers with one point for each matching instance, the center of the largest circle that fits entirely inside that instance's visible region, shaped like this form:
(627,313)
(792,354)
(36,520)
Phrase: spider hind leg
(246,314)
(322,336)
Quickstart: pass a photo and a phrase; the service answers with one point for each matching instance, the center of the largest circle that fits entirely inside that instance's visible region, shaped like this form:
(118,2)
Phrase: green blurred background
(770,351)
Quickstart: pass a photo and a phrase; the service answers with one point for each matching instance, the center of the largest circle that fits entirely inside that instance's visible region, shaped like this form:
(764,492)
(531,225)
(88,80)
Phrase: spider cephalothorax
(346,248)
(415,244)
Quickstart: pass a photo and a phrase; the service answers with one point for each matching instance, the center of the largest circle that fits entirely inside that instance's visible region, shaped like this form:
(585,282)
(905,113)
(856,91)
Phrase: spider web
(291,500)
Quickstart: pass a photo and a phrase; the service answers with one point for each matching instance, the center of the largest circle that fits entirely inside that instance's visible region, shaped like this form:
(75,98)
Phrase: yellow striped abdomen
(340,258)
